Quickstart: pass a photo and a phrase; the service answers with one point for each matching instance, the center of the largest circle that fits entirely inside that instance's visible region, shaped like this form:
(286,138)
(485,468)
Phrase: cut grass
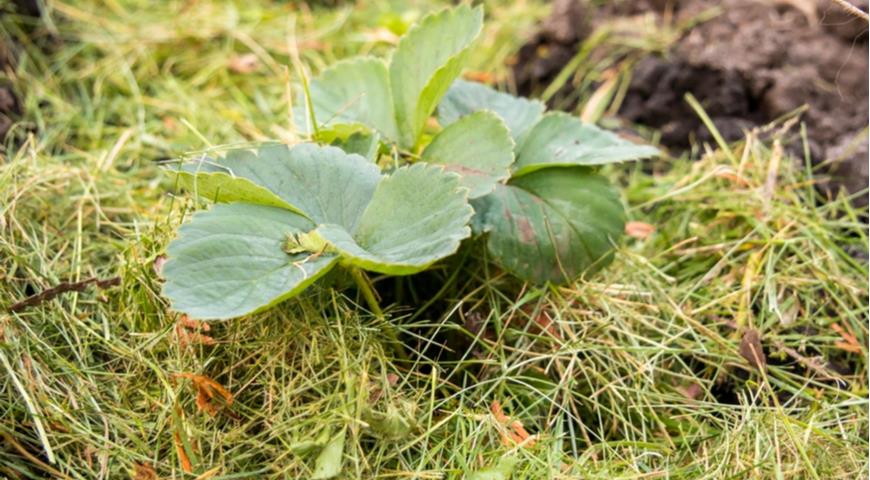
(636,373)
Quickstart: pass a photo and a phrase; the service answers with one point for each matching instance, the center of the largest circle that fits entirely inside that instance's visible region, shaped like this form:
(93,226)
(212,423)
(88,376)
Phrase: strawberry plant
(554,218)
(285,216)
(499,166)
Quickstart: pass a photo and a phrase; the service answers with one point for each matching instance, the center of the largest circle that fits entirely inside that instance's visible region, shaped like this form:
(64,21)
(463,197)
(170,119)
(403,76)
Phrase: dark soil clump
(754,62)
(10,107)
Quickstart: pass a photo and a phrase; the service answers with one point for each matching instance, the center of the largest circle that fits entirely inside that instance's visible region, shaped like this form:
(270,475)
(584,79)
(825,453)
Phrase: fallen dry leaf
(640,230)
(498,412)
(751,350)
(144,471)
(191,323)
(207,391)
(481,77)
(513,432)
(182,455)
(850,342)
(187,331)
(243,64)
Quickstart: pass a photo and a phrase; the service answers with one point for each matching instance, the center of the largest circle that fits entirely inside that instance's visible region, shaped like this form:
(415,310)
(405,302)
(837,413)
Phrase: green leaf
(478,147)
(552,225)
(502,471)
(465,98)
(417,216)
(427,60)
(229,261)
(363,144)
(239,257)
(209,181)
(352,139)
(393,423)
(354,91)
(328,463)
(560,140)
(309,445)
(325,184)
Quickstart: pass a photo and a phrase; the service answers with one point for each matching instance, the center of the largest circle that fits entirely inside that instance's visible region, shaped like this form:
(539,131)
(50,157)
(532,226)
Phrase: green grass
(636,373)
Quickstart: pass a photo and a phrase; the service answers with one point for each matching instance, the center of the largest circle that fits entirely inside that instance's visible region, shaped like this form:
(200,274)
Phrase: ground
(650,369)
(748,62)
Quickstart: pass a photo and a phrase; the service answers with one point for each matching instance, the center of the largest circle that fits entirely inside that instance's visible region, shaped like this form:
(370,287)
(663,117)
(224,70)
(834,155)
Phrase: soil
(10,107)
(754,62)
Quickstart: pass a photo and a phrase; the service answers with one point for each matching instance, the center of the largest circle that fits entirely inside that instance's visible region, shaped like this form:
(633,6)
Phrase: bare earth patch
(752,63)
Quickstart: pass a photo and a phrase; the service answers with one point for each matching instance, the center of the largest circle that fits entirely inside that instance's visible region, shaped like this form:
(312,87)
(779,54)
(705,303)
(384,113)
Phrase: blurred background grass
(637,373)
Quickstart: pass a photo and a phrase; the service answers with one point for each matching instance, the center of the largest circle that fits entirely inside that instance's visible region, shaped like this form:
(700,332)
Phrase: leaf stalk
(364,285)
